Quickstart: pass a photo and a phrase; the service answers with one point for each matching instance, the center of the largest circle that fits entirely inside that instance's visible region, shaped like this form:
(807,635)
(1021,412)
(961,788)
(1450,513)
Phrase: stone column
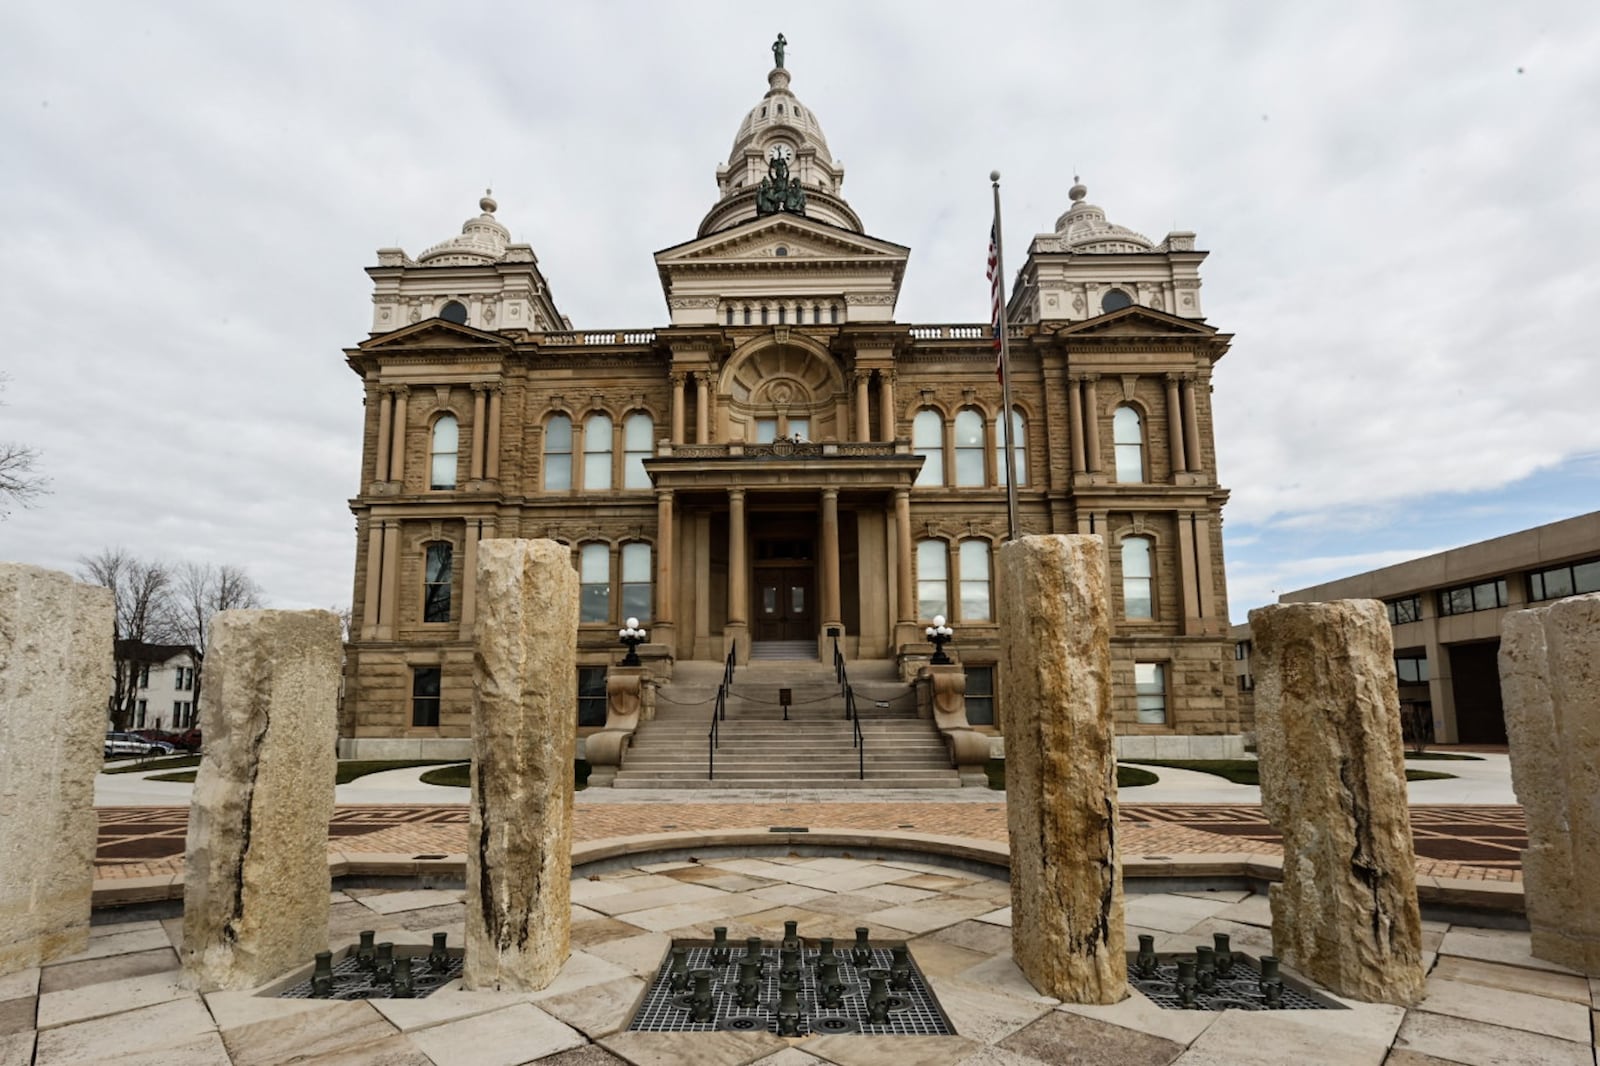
(738,593)
(677,379)
(1075,422)
(1091,423)
(666,574)
(863,414)
(491,466)
(380,469)
(524,734)
(905,589)
(1333,781)
(479,411)
(469,567)
(1550,681)
(1061,768)
(886,405)
(397,447)
(389,591)
(373,578)
(830,559)
(1191,425)
(702,408)
(1175,427)
(255,890)
(55,650)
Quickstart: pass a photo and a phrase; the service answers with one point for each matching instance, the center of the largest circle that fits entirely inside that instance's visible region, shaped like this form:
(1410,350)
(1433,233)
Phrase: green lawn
(1443,755)
(1127,776)
(1247,771)
(139,766)
(348,769)
(459,775)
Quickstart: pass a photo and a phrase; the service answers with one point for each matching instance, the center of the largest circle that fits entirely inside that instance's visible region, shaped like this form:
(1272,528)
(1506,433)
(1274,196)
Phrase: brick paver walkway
(1476,843)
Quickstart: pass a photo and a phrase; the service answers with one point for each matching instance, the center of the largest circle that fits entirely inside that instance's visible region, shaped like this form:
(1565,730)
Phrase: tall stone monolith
(255,890)
(55,675)
(1550,683)
(524,732)
(1333,782)
(1061,768)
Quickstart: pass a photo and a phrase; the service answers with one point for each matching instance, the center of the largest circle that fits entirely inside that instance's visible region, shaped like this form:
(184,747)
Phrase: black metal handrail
(857,740)
(719,713)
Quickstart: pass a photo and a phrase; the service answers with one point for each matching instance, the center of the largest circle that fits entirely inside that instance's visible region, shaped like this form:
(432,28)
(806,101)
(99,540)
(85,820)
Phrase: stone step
(871,781)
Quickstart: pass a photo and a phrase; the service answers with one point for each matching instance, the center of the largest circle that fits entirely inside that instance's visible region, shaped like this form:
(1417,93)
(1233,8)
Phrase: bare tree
(345,615)
(141,595)
(20,480)
(200,590)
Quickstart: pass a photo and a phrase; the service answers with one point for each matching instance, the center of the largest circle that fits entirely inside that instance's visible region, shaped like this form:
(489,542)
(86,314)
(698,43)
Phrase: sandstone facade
(55,649)
(519,851)
(255,896)
(1550,678)
(1061,773)
(1333,782)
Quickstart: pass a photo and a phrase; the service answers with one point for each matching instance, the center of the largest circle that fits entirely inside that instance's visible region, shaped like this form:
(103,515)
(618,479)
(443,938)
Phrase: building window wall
(1137,573)
(1464,599)
(558,454)
(1019,447)
(969,448)
(1405,609)
(927,440)
(443,453)
(1127,435)
(637,429)
(594,580)
(972,562)
(425,696)
(1150,692)
(1411,669)
(597,452)
(591,696)
(636,579)
(1559,581)
(933,578)
(436,582)
(980,695)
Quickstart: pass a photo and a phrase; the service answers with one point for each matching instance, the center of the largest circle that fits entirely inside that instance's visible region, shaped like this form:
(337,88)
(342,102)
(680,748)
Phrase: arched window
(1128,436)
(558,453)
(636,581)
(446,438)
(972,562)
(1019,447)
(597,452)
(436,583)
(594,583)
(1136,585)
(1114,300)
(969,447)
(454,311)
(927,440)
(933,578)
(637,429)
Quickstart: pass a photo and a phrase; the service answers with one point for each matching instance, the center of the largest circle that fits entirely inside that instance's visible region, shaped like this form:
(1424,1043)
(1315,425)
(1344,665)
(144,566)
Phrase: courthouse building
(782,457)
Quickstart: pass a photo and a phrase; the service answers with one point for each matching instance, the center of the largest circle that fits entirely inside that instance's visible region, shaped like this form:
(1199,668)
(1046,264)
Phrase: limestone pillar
(1191,426)
(479,412)
(1175,427)
(1091,423)
(738,594)
(373,578)
(55,657)
(666,572)
(702,408)
(905,589)
(389,592)
(885,405)
(255,890)
(1061,768)
(491,469)
(1075,423)
(380,469)
(397,447)
(469,566)
(830,559)
(677,407)
(524,734)
(863,415)
(1550,681)
(1333,782)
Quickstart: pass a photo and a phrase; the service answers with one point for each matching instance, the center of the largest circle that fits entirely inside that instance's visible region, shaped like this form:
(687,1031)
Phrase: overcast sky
(1400,200)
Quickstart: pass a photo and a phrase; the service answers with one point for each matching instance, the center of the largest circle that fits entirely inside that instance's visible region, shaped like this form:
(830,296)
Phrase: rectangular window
(1150,692)
(766,430)
(436,583)
(591,696)
(1404,610)
(1559,581)
(1411,669)
(425,695)
(636,581)
(1241,650)
(144,676)
(800,427)
(973,559)
(980,695)
(177,679)
(594,577)
(1483,596)
(933,579)
(142,705)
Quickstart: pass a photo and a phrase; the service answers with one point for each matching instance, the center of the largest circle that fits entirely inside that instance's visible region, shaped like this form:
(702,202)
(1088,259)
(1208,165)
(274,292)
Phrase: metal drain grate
(1239,989)
(352,982)
(913,1011)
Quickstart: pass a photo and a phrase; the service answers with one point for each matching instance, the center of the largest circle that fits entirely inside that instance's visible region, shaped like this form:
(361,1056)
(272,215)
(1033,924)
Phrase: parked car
(129,744)
(167,741)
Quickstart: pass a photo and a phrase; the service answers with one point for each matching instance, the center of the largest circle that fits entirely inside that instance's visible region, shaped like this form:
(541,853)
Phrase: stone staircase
(758,749)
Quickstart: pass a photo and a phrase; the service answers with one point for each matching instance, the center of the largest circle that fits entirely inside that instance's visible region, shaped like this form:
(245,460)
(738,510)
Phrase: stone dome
(1084,228)
(483,240)
(779,112)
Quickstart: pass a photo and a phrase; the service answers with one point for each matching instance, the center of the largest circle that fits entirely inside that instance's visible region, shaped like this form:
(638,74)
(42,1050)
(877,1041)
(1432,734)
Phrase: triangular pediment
(1135,321)
(433,333)
(760,240)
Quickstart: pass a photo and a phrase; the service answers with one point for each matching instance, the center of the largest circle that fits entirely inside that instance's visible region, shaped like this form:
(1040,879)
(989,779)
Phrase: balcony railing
(784,449)
(618,337)
(949,333)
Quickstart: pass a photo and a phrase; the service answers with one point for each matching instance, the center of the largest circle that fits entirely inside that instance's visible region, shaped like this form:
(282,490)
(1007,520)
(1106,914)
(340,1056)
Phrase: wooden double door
(784,585)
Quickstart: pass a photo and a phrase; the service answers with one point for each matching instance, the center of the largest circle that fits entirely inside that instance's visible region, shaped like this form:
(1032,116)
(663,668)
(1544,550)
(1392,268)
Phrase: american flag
(996,310)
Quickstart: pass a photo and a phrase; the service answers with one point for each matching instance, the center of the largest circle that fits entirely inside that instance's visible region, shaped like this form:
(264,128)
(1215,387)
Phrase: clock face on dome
(780,151)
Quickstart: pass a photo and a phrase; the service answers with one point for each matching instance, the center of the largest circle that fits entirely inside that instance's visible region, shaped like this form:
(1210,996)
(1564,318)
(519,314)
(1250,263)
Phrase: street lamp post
(941,635)
(632,636)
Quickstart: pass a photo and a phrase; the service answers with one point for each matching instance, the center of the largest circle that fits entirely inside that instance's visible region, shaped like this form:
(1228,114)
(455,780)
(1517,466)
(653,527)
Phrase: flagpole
(1005,367)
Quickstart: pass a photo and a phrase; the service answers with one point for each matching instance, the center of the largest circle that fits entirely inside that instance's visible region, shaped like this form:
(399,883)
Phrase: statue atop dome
(777,51)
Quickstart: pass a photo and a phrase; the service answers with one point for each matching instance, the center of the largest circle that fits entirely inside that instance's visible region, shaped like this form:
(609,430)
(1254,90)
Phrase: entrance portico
(800,538)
